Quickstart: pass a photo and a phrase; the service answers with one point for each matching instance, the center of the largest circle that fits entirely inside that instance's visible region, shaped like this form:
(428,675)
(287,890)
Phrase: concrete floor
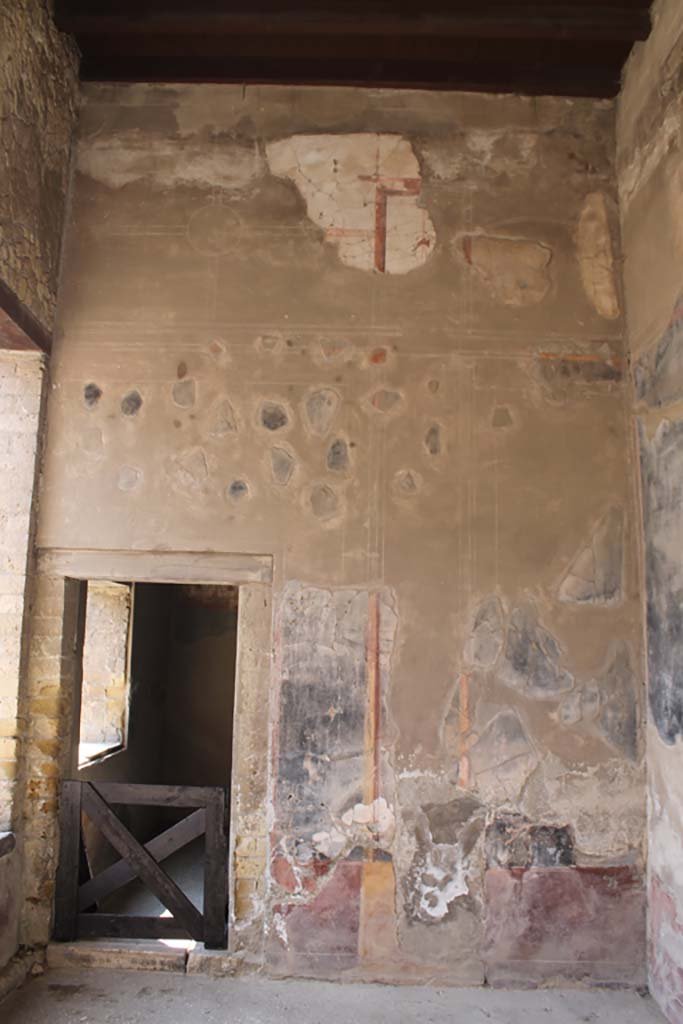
(128,997)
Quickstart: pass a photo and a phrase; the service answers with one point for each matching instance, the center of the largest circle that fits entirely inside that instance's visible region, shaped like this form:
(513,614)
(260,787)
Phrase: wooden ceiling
(563,47)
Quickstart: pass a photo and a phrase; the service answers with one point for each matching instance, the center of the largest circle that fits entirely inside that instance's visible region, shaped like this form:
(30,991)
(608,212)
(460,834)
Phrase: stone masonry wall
(38,99)
(378,336)
(21,380)
(650,174)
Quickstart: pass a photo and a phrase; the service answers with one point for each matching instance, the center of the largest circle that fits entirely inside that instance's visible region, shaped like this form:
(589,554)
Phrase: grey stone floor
(130,997)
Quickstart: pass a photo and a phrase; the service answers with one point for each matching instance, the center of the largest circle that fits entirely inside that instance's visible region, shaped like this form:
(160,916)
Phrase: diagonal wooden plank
(112,878)
(157,881)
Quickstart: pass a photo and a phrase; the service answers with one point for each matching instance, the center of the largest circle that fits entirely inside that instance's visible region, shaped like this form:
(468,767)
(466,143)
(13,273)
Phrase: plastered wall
(379,336)
(650,171)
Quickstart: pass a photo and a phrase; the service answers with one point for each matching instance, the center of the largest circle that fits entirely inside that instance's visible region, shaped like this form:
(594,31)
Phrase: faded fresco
(378,336)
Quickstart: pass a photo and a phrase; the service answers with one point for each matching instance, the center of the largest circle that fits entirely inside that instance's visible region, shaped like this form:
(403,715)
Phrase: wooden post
(66,899)
(215,873)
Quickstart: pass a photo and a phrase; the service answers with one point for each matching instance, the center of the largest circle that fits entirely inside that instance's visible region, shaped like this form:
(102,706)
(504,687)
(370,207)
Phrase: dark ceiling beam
(566,80)
(624,20)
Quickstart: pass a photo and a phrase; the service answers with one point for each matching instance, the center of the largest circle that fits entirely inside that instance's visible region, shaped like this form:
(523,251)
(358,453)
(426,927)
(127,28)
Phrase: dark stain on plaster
(501,417)
(458,821)
(658,374)
(661,465)
(618,714)
(581,367)
(131,403)
(181,370)
(273,416)
(532,657)
(92,394)
(514,842)
(486,640)
(433,439)
(238,490)
(338,455)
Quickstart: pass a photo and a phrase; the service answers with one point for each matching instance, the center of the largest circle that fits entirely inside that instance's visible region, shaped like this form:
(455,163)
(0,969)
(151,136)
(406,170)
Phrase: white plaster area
(364,190)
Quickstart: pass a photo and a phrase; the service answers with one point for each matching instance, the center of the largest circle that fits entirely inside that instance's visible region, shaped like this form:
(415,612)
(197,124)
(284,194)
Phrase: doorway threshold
(146,955)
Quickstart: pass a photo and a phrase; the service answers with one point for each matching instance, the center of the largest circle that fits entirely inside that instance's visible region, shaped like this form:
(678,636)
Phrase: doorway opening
(156,711)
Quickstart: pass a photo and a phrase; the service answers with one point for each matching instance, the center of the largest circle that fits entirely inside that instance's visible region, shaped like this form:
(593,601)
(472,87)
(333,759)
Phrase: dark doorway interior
(179,727)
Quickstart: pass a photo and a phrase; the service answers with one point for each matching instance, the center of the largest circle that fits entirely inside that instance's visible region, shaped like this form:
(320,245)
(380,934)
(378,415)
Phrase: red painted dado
(321,934)
(573,922)
(666,950)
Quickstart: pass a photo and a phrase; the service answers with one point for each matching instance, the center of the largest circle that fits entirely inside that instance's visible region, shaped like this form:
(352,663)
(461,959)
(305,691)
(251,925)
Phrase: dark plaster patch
(661,462)
(514,842)
(131,403)
(92,394)
(658,374)
(433,439)
(181,370)
(532,657)
(501,417)
(238,490)
(488,634)
(338,455)
(273,416)
(459,820)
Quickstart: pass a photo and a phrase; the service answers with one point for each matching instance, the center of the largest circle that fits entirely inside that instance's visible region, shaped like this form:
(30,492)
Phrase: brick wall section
(21,379)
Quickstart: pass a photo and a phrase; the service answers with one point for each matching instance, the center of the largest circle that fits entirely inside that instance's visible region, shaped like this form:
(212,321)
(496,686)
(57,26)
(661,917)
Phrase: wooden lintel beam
(593,80)
(610,21)
(19,329)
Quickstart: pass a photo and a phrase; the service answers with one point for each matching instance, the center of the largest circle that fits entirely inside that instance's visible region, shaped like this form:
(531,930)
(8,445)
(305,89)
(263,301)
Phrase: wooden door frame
(253,574)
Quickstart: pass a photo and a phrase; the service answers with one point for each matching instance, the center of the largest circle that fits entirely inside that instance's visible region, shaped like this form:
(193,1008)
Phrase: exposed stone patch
(595,256)
(189,470)
(321,409)
(515,270)
(407,483)
(184,392)
(363,190)
(269,344)
(282,464)
(594,576)
(131,403)
(338,455)
(324,501)
(618,717)
(485,642)
(273,416)
(532,657)
(385,400)
(502,758)
(224,421)
(129,478)
(91,395)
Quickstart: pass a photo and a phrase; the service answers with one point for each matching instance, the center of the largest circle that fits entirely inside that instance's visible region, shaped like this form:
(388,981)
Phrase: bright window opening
(106,677)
